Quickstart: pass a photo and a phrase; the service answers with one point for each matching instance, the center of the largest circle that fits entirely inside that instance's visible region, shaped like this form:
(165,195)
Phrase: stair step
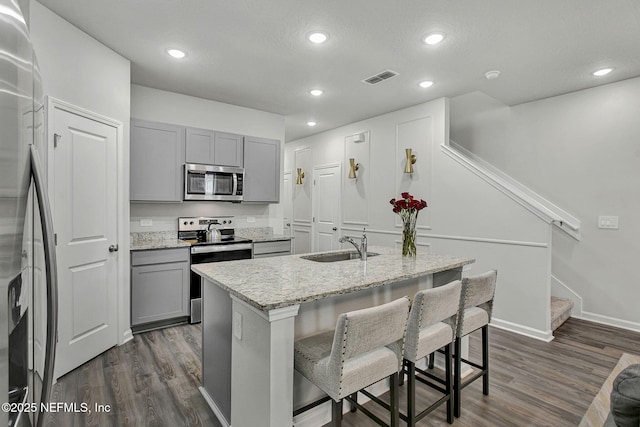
(560,311)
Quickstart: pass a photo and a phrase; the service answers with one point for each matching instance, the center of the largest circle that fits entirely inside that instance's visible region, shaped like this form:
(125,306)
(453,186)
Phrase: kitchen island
(253,310)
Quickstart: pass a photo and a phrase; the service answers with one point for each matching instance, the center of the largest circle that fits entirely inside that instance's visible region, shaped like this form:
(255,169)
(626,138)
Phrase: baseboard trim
(127,336)
(216,411)
(610,321)
(522,330)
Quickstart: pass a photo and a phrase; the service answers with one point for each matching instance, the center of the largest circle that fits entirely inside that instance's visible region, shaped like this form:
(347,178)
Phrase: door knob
(335,228)
(113,248)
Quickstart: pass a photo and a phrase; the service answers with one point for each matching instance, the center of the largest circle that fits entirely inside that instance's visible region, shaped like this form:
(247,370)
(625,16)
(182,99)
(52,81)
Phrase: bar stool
(366,347)
(432,325)
(476,305)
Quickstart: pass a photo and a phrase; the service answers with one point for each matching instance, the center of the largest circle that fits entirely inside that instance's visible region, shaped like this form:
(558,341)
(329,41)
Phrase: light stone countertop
(156,240)
(270,283)
(271,238)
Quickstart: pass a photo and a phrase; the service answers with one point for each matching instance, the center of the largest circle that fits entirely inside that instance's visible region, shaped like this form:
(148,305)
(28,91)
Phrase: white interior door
(326,207)
(84,204)
(287,204)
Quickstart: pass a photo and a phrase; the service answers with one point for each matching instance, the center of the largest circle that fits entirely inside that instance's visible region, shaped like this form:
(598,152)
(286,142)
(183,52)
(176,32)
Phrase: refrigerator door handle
(51,277)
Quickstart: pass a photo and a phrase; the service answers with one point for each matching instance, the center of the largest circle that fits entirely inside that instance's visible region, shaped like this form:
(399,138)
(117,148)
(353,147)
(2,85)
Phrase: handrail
(517,191)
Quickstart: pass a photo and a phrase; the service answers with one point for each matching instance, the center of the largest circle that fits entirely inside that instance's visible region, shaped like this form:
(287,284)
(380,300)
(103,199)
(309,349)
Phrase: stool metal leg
(432,359)
(395,414)
(411,394)
(447,385)
(336,413)
(456,376)
(485,360)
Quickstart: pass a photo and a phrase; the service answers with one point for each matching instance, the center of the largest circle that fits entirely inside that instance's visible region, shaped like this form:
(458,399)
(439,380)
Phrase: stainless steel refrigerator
(28,291)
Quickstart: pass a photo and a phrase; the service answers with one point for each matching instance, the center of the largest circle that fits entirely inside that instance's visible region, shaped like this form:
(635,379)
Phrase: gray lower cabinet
(273,248)
(157,159)
(261,170)
(159,285)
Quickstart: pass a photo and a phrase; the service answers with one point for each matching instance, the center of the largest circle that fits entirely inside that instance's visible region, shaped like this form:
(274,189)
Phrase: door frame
(290,201)
(123,299)
(314,201)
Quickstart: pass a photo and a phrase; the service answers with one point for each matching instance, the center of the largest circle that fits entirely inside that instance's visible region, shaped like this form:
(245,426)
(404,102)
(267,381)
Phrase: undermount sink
(333,257)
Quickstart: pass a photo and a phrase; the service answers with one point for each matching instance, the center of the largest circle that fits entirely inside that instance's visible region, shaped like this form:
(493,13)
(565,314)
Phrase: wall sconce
(353,167)
(411,159)
(300,176)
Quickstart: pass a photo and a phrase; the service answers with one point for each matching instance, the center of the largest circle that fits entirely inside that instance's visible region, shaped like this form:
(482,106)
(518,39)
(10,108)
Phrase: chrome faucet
(362,249)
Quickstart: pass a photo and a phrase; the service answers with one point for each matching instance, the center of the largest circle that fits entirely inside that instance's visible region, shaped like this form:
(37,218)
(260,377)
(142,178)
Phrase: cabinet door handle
(335,228)
(113,248)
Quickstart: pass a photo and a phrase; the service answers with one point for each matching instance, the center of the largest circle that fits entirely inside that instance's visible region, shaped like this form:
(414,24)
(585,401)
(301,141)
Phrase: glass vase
(409,236)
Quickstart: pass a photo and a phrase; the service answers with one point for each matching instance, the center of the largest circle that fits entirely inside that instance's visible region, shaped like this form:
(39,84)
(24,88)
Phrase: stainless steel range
(222,245)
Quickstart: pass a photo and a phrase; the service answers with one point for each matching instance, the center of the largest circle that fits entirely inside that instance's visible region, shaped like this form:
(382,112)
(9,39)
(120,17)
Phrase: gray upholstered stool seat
(366,347)
(432,326)
(475,313)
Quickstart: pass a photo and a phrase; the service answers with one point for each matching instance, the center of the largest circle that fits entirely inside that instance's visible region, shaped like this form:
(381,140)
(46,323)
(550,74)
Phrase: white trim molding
(122,187)
(611,321)
(546,336)
(515,190)
(453,237)
(561,290)
(212,404)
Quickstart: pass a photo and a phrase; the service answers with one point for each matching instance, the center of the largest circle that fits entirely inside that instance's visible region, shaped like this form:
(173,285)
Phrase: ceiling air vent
(387,74)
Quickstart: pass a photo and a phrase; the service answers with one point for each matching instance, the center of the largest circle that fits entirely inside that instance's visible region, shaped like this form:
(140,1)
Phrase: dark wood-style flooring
(153,380)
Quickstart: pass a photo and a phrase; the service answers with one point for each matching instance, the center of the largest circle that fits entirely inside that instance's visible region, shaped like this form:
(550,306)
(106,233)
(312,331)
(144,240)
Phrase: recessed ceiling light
(311,124)
(493,74)
(425,84)
(176,53)
(318,37)
(316,92)
(434,38)
(602,72)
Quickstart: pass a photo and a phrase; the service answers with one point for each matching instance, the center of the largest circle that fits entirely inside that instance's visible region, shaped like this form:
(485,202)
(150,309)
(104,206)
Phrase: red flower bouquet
(408,207)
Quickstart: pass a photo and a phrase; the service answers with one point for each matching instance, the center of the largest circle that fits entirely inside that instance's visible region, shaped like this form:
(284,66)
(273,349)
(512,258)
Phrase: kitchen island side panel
(216,347)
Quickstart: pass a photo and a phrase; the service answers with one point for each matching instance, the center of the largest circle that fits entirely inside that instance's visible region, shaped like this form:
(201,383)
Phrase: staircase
(560,311)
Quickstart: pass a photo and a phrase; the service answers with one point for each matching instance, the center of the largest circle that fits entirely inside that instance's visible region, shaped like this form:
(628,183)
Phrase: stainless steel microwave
(207,182)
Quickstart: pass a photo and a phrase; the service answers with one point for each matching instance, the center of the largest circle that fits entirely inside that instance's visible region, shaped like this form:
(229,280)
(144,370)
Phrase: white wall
(79,70)
(466,215)
(162,106)
(580,151)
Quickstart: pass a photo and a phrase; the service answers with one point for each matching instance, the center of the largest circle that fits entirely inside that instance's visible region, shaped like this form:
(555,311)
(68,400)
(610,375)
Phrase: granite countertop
(278,282)
(156,240)
(271,238)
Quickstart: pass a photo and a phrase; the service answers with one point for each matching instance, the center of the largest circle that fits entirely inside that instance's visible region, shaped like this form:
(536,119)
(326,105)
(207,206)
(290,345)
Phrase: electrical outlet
(251,219)
(146,222)
(237,325)
(608,222)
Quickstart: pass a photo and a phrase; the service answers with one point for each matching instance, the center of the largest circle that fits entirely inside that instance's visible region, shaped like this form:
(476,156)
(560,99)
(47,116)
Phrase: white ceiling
(254,53)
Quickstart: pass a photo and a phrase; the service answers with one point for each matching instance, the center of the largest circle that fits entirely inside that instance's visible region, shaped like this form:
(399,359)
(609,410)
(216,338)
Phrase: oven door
(212,253)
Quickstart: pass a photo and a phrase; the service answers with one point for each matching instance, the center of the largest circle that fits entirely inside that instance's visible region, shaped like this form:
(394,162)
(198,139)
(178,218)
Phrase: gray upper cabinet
(200,146)
(228,149)
(262,170)
(214,148)
(157,159)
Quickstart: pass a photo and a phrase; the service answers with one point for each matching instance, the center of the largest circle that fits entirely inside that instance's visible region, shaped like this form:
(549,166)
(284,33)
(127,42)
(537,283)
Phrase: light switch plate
(608,221)
(146,222)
